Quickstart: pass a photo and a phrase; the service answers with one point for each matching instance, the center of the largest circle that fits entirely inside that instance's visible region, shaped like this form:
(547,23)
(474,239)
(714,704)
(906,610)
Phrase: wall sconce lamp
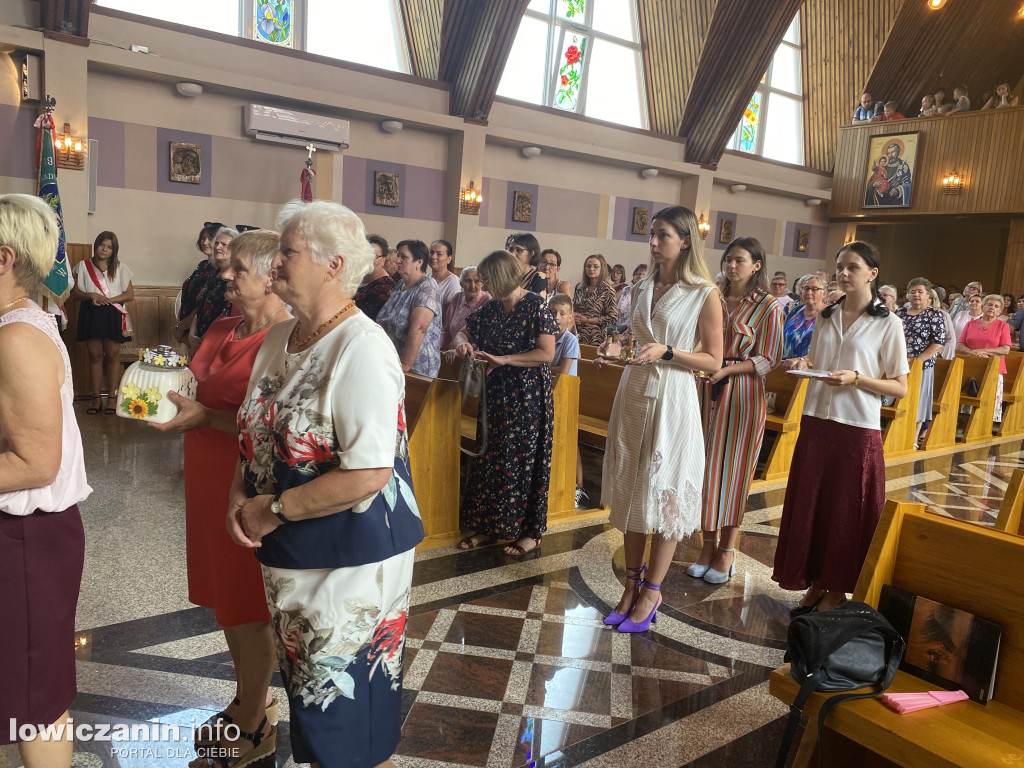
(469,201)
(953,183)
(70,151)
(703,227)
(934,5)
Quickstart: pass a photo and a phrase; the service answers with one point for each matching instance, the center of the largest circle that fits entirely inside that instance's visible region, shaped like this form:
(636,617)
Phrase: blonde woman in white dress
(654,458)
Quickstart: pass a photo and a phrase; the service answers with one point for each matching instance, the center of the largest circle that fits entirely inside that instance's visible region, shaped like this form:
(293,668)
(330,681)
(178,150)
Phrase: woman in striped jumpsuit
(733,404)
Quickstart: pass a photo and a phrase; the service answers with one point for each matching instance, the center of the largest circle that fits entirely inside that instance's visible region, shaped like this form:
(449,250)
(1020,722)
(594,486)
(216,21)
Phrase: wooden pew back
(432,410)
(790,392)
(1013,395)
(1010,519)
(984,370)
(900,433)
(949,376)
(963,565)
(597,394)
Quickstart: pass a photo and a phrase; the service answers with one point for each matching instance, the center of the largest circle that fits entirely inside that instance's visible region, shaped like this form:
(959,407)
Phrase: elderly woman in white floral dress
(324,492)
(654,459)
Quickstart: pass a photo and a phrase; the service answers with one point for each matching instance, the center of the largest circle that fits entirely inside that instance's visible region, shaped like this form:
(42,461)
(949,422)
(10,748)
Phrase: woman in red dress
(222,576)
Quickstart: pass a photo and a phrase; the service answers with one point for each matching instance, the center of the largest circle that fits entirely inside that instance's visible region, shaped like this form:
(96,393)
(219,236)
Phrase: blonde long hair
(691,268)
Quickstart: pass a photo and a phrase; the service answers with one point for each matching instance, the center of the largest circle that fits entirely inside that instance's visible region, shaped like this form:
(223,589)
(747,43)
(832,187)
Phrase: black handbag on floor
(473,383)
(851,646)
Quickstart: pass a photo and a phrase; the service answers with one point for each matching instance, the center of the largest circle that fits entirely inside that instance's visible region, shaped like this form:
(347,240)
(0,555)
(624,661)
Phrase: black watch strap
(669,354)
(278,509)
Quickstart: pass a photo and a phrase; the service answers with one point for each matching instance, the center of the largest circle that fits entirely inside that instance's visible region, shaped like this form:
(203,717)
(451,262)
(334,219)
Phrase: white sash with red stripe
(100,281)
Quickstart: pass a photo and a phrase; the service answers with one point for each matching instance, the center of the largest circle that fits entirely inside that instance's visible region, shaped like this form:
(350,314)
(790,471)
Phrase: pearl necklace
(295,332)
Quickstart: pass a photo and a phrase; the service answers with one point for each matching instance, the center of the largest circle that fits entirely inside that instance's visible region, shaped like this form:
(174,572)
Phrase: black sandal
(111,409)
(262,754)
(95,408)
(208,734)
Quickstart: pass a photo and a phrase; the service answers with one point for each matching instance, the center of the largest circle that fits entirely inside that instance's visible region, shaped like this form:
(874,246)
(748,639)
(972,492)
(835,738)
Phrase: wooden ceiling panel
(422,19)
(976,43)
(842,40)
(673,36)
(476,40)
(739,46)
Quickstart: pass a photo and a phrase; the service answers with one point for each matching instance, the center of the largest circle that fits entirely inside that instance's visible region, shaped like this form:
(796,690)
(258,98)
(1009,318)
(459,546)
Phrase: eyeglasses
(518,249)
(549,263)
(808,288)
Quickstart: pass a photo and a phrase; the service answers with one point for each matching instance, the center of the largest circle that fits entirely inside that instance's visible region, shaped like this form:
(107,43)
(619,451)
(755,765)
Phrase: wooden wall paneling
(476,39)
(975,43)
(735,56)
(841,40)
(672,44)
(422,20)
(983,147)
(1013,264)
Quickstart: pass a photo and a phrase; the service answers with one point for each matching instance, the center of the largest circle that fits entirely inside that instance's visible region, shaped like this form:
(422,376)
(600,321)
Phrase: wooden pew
(899,435)
(949,375)
(790,392)
(985,370)
(588,352)
(1010,520)
(431,407)
(1013,396)
(597,394)
(960,564)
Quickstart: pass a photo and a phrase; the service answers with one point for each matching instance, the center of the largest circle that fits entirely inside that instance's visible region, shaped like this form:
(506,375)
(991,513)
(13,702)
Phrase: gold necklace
(12,303)
(318,331)
(239,337)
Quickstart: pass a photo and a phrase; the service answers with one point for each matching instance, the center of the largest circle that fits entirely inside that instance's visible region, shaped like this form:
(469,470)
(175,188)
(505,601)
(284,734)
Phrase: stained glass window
(587,55)
(749,124)
(772,123)
(570,71)
(272,22)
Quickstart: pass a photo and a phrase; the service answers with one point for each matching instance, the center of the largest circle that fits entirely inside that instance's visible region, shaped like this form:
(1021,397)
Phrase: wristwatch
(278,509)
(669,354)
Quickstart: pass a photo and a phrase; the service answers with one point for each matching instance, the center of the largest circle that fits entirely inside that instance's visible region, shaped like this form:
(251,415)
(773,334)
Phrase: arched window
(582,56)
(773,123)
(362,32)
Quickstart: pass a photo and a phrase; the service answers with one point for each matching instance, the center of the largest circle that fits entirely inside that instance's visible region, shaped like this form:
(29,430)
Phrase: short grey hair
(226,231)
(261,245)
(330,229)
(28,226)
(801,281)
(924,281)
(892,288)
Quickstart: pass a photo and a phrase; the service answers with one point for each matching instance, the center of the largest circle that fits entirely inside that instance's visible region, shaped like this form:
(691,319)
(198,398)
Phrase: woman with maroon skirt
(42,480)
(836,487)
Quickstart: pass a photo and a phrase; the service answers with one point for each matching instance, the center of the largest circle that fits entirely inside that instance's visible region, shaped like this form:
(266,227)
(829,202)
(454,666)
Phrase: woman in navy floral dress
(507,490)
(925,333)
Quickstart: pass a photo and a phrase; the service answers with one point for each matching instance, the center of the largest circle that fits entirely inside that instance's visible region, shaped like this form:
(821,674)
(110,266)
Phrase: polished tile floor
(507,662)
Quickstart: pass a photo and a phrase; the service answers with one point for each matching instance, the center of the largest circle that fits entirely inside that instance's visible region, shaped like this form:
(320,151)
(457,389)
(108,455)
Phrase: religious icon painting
(725,230)
(803,240)
(640,220)
(385,189)
(186,163)
(522,206)
(889,175)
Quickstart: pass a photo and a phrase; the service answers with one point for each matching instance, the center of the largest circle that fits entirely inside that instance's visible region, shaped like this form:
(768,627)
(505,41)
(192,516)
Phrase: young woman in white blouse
(836,487)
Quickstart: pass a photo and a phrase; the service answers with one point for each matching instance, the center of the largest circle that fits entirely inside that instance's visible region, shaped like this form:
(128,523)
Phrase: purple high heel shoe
(643,626)
(614,619)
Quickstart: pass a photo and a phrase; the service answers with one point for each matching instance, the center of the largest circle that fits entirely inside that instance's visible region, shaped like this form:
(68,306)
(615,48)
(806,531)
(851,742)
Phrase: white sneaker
(581,495)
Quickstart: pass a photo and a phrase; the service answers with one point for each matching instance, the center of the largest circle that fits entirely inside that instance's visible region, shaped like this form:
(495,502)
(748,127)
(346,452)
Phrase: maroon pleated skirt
(41,559)
(834,500)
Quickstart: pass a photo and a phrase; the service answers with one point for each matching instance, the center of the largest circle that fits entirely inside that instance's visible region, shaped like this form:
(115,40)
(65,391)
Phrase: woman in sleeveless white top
(654,455)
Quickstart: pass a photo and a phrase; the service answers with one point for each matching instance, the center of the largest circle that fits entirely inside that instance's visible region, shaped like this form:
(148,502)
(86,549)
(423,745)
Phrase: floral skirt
(340,636)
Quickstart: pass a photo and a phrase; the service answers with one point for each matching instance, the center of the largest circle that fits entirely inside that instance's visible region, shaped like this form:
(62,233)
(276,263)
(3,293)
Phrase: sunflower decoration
(137,403)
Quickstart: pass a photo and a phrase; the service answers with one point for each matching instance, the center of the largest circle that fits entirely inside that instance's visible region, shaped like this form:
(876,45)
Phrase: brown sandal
(520,551)
(468,543)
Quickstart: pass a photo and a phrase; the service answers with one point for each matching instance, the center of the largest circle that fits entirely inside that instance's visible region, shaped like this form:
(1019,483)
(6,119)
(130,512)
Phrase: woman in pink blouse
(462,305)
(987,336)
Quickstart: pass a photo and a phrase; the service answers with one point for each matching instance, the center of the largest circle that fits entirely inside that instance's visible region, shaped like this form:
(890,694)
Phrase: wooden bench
(784,423)
(588,352)
(1010,520)
(984,370)
(1013,396)
(960,564)
(430,405)
(899,434)
(597,394)
(949,375)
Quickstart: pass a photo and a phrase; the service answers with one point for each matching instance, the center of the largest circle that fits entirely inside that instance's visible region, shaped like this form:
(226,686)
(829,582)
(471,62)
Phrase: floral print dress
(921,331)
(507,489)
(337,586)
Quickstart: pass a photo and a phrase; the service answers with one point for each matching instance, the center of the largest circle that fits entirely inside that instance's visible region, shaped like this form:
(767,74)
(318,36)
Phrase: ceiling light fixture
(391,126)
(813,201)
(649,173)
(530,151)
(738,188)
(189,89)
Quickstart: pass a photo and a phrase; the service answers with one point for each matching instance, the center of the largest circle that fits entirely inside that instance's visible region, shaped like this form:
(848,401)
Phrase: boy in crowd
(567,353)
